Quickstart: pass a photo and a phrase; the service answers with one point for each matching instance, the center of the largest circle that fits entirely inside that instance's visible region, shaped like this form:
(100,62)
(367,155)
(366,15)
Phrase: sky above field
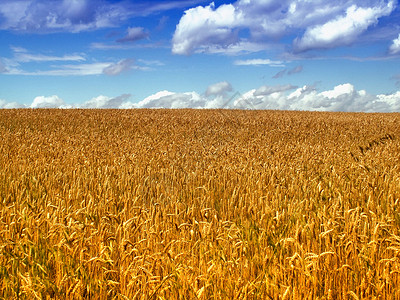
(341,55)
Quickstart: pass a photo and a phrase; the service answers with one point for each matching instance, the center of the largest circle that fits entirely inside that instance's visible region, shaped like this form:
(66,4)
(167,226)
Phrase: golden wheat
(199,204)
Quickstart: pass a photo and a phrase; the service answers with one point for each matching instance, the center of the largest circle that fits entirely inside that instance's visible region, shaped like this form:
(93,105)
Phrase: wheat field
(199,204)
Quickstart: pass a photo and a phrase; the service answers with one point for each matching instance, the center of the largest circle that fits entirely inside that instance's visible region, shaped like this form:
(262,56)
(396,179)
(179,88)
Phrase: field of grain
(199,204)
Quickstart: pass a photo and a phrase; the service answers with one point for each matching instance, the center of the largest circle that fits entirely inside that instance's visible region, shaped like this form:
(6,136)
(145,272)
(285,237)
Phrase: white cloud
(171,100)
(106,102)
(326,24)
(395,46)
(343,29)
(343,97)
(48,102)
(216,96)
(166,99)
(154,98)
(8,105)
(338,91)
(201,26)
(218,89)
(259,62)
(390,102)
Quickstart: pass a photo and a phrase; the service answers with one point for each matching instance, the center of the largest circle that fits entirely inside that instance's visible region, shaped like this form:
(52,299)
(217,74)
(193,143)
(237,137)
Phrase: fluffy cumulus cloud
(395,46)
(344,97)
(166,99)
(341,98)
(106,102)
(206,25)
(317,23)
(344,29)
(48,102)
(389,103)
(8,105)
(218,89)
(216,96)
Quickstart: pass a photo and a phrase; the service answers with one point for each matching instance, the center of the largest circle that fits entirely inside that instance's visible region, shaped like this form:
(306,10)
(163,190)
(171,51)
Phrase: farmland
(199,204)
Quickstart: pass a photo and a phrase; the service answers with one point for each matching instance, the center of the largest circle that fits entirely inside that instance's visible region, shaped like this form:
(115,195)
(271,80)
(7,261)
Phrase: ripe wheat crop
(199,204)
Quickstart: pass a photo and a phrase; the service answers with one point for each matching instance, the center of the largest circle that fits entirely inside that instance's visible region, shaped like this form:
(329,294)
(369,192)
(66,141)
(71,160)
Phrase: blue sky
(264,54)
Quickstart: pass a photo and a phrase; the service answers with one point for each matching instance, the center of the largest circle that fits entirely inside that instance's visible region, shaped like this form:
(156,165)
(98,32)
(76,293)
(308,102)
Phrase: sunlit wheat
(199,204)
